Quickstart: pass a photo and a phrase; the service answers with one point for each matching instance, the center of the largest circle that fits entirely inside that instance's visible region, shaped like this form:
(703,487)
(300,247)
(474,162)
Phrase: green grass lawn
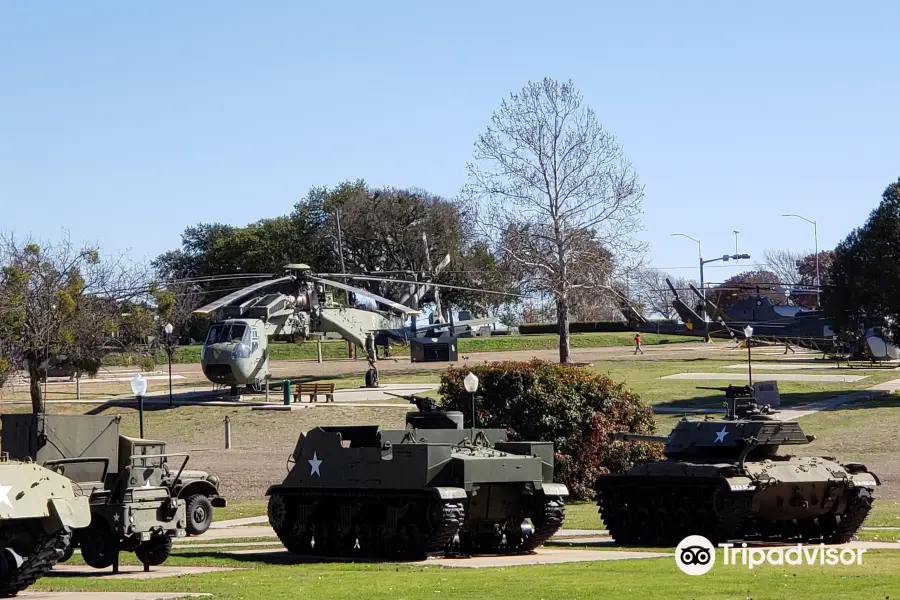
(649,579)
(338,348)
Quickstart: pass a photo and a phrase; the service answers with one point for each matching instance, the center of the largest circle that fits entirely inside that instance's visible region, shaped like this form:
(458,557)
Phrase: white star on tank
(314,464)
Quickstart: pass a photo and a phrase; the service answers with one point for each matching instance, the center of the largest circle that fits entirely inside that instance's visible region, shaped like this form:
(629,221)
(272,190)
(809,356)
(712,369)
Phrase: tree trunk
(562,322)
(34,376)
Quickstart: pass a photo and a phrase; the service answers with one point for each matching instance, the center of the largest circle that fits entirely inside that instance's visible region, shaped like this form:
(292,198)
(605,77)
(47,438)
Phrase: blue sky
(126,122)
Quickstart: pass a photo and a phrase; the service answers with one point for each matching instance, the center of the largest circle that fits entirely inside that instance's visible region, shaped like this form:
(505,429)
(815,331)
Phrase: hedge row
(575,327)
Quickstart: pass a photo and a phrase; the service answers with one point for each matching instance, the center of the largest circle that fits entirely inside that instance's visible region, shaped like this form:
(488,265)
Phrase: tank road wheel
(98,545)
(18,572)
(681,524)
(284,517)
(155,552)
(664,530)
(199,510)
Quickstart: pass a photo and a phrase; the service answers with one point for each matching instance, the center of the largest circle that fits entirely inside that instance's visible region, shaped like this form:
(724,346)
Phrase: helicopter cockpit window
(228,334)
(215,334)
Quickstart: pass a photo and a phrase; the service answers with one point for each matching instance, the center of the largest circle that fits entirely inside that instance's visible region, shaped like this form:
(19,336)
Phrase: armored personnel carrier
(38,510)
(728,479)
(429,488)
(128,486)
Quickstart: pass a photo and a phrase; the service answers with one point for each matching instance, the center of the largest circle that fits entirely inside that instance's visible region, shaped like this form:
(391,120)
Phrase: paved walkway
(769,377)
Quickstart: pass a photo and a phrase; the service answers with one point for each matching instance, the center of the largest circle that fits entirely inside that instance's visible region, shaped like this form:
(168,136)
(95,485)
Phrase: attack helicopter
(775,323)
(299,303)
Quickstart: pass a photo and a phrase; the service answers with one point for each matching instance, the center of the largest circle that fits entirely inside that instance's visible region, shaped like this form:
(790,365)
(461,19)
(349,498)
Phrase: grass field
(338,348)
(649,579)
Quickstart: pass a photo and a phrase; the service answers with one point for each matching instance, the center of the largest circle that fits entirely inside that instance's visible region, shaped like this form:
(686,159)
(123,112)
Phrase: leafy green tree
(865,274)
(62,300)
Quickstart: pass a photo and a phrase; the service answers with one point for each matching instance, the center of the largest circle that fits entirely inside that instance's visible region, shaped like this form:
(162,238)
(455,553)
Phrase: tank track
(37,564)
(546,524)
(859,505)
(653,512)
(360,523)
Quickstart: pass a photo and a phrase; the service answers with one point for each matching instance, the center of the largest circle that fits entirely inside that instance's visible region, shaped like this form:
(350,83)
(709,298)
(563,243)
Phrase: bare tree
(650,289)
(552,187)
(783,263)
(62,300)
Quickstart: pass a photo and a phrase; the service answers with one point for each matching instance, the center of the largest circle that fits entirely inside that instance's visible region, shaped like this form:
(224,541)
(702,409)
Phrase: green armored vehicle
(38,511)
(132,508)
(199,489)
(728,479)
(429,488)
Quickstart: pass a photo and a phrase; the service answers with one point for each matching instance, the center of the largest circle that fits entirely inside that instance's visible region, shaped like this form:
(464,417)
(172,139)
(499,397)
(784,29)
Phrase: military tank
(38,511)
(431,488)
(728,479)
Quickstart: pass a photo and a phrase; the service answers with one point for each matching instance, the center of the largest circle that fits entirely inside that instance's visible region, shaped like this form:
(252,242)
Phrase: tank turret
(727,478)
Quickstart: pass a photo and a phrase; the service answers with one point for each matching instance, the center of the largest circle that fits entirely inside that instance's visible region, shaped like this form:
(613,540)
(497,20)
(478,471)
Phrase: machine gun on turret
(423,403)
(740,402)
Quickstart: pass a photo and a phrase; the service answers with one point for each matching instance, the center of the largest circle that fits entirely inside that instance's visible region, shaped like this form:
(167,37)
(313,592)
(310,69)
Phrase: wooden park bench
(314,390)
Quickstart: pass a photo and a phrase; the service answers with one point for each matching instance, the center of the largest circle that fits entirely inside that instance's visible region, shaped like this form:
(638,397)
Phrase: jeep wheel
(199,511)
(98,546)
(155,552)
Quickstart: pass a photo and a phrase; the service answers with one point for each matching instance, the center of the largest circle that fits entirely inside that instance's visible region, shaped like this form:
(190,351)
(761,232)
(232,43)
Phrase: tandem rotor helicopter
(236,349)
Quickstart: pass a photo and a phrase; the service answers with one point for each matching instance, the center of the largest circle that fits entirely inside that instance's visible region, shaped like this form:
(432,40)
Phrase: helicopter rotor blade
(423,283)
(380,299)
(241,293)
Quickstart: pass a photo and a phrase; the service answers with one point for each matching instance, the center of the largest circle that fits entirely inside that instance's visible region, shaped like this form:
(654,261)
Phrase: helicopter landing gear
(372,378)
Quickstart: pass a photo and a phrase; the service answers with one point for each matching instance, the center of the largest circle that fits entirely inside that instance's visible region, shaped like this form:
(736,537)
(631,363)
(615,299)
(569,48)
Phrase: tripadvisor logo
(696,555)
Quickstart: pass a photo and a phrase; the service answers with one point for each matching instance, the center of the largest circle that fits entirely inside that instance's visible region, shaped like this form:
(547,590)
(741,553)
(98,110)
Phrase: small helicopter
(236,350)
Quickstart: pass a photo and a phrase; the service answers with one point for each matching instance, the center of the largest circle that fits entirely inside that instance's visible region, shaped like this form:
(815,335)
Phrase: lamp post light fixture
(139,388)
(471,384)
(816,237)
(168,329)
(748,333)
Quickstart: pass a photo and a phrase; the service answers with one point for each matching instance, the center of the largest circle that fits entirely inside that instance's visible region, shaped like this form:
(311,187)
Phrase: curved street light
(816,235)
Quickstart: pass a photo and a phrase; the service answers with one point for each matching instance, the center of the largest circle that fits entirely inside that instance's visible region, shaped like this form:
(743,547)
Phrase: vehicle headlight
(213,479)
(241,351)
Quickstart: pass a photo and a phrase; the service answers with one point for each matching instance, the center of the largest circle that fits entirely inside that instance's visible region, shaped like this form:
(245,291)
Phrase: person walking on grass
(637,344)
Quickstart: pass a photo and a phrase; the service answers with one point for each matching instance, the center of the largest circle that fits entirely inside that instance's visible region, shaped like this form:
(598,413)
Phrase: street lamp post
(168,329)
(139,388)
(816,237)
(700,256)
(736,232)
(471,384)
(748,333)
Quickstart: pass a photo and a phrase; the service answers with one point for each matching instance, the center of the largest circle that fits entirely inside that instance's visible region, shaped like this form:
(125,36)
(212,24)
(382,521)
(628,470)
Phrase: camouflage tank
(38,511)
(727,479)
(429,488)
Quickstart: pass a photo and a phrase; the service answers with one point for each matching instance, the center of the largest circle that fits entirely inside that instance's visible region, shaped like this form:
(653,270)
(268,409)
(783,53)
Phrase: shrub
(575,408)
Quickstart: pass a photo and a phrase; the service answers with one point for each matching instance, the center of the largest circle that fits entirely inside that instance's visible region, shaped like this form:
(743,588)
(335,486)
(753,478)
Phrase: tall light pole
(700,256)
(168,329)
(816,234)
(736,232)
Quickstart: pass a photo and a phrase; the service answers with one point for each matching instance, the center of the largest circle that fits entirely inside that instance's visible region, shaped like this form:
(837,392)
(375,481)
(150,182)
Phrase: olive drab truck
(133,508)
(729,478)
(427,489)
(39,509)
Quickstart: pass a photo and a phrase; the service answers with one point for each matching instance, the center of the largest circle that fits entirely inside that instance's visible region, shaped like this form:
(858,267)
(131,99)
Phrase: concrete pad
(767,377)
(804,410)
(542,556)
(107,595)
(131,572)
(799,367)
(238,522)
(571,533)
(275,544)
(282,407)
(246,531)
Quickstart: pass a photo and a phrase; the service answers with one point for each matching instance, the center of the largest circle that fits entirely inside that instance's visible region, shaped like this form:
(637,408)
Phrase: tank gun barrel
(423,403)
(624,436)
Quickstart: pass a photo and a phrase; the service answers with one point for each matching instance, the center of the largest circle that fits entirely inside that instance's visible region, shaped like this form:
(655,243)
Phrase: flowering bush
(573,407)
